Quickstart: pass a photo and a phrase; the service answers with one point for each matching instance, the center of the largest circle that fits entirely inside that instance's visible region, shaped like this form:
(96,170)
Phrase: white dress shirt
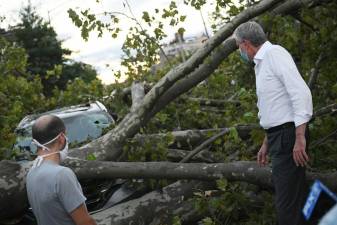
(283,96)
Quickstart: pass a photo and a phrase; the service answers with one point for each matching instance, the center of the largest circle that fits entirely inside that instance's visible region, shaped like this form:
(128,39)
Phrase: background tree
(18,95)
(46,56)
(35,76)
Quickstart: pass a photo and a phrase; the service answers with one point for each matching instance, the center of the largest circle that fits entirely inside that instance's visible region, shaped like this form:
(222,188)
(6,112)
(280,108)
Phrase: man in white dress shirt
(285,107)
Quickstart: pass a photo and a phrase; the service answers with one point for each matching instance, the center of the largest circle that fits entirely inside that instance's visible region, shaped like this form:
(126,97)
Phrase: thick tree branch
(12,176)
(137,94)
(194,78)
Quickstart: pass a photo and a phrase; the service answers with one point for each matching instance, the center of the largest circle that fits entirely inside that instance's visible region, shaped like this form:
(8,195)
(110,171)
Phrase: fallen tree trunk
(13,194)
(235,171)
(168,202)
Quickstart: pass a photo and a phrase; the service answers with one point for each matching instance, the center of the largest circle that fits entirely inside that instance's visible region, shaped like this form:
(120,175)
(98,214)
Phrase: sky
(99,52)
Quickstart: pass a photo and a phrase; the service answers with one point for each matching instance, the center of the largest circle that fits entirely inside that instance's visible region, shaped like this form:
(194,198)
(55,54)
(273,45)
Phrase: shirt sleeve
(283,65)
(69,190)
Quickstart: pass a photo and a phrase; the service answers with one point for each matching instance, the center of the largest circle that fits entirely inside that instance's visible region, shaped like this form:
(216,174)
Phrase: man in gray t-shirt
(54,193)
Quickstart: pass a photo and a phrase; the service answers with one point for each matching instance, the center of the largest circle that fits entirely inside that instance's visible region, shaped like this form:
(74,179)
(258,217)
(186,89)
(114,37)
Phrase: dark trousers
(289,180)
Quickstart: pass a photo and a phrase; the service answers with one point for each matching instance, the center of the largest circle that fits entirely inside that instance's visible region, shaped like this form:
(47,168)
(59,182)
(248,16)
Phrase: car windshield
(79,128)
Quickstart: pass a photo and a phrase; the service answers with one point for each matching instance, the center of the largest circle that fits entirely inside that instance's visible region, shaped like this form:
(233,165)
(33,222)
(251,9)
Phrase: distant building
(179,46)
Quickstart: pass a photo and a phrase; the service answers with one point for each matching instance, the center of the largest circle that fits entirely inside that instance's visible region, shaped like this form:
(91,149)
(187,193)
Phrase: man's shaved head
(46,128)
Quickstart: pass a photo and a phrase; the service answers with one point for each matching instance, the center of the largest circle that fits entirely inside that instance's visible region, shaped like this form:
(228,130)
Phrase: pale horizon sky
(99,52)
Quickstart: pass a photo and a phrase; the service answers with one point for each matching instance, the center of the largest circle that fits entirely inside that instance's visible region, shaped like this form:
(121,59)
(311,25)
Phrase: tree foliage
(46,56)
(18,95)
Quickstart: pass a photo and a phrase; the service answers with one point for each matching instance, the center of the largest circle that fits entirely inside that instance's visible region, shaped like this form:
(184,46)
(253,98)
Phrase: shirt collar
(261,52)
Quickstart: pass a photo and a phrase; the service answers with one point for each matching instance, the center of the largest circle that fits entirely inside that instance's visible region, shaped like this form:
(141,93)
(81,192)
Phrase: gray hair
(250,31)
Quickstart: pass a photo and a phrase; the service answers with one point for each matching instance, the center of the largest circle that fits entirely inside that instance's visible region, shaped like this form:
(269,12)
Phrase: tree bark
(137,94)
(127,91)
(155,208)
(13,197)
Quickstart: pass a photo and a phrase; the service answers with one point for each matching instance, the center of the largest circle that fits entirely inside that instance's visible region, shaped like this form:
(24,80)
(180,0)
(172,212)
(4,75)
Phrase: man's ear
(62,139)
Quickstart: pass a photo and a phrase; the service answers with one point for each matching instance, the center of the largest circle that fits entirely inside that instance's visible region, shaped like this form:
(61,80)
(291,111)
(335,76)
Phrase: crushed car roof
(63,112)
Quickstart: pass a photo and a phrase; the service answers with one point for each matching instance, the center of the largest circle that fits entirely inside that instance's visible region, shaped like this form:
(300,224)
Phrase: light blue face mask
(244,56)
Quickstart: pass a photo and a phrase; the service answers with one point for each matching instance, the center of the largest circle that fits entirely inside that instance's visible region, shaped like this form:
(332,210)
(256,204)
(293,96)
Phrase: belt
(280,127)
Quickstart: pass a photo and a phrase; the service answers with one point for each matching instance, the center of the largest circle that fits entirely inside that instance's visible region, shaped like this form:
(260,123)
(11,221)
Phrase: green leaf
(182,18)
(146,17)
(172,22)
(181,30)
(222,184)
(91,157)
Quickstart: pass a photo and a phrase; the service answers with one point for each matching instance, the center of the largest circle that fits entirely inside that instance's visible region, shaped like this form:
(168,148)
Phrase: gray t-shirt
(53,193)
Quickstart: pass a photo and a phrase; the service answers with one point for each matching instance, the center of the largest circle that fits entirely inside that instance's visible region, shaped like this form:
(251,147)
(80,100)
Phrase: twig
(148,36)
(204,144)
(332,108)
(298,18)
(314,72)
(322,140)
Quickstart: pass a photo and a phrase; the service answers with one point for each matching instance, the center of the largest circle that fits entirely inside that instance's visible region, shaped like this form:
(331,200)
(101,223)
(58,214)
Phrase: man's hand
(81,216)
(301,158)
(262,158)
